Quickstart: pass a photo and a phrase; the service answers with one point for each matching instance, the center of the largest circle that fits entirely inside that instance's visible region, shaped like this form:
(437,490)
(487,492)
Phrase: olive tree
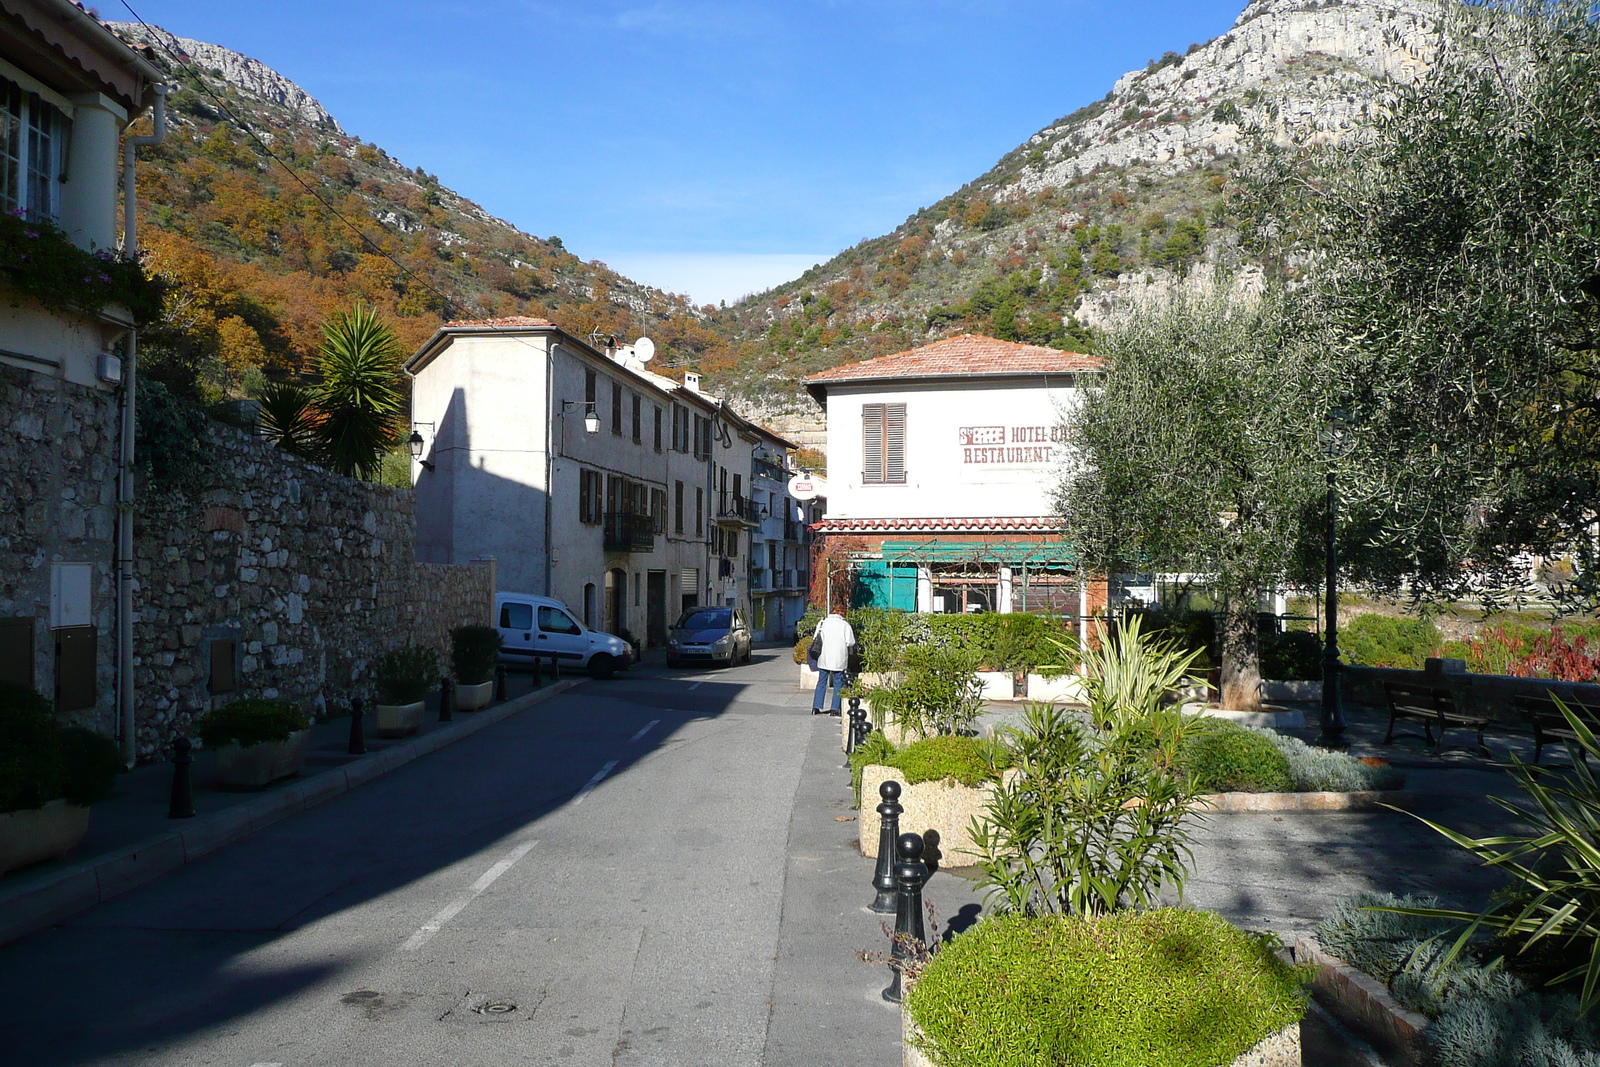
(1447,263)
(1197,451)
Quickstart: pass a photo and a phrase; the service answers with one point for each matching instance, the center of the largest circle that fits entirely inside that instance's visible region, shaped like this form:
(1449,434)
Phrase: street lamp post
(1333,725)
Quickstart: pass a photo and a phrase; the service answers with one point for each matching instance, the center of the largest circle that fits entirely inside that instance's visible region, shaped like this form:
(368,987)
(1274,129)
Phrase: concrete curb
(34,905)
(1239,803)
(1366,1006)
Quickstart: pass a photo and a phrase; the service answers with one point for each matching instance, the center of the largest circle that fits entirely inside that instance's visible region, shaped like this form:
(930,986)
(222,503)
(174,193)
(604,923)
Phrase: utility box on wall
(71,590)
(16,651)
(75,668)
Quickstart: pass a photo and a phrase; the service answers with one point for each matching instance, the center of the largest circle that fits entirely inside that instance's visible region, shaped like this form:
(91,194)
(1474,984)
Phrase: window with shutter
(883,444)
(616,408)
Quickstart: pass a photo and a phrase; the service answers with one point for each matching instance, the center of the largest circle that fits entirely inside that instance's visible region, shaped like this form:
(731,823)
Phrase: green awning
(1003,553)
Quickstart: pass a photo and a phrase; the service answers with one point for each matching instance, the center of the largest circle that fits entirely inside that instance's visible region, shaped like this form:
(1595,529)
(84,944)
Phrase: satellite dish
(644,350)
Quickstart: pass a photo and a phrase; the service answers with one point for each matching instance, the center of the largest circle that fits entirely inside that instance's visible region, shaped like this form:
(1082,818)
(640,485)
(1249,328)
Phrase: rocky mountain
(1122,198)
(266,215)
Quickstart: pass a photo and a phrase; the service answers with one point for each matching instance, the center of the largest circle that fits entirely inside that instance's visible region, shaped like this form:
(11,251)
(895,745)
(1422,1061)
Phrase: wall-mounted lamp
(416,444)
(591,418)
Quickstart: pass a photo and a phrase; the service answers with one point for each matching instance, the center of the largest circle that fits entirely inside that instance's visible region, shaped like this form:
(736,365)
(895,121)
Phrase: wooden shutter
(894,443)
(16,651)
(872,443)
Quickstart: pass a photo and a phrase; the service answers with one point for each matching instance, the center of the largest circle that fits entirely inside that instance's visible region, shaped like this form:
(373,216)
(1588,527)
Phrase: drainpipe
(130,249)
(550,462)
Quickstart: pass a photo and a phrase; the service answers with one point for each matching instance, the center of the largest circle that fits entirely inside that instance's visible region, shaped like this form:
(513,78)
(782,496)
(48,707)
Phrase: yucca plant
(1554,865)
(359,399)
(1097,818)
(289,419)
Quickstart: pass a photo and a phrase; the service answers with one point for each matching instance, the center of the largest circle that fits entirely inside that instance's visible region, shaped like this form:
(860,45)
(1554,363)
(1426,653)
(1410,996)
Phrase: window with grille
(33,136)
(883,444)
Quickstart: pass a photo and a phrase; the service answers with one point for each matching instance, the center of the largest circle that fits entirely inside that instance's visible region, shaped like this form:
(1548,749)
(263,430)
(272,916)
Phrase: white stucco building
(586,476)
(69,90)
(942,462)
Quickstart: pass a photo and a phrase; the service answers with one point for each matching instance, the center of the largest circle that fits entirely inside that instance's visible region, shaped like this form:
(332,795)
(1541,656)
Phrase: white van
(535,628)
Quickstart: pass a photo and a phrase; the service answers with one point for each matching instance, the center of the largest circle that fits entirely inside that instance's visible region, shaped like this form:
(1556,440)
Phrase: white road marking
(695,686)
(451,910)
(596,780)
(266,1065)
(647,728)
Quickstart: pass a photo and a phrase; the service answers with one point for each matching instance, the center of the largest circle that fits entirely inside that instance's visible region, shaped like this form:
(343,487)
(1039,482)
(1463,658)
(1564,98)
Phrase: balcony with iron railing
(737,510)
(626,531)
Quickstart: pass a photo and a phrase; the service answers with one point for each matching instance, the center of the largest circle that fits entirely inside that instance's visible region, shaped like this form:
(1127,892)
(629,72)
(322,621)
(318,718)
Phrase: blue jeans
(824,679)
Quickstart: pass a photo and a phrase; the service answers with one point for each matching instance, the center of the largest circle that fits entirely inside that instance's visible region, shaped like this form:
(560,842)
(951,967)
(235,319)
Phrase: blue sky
(715,147)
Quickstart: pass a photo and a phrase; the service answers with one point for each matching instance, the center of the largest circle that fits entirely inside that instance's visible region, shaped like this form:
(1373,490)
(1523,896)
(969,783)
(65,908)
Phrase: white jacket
(837,640)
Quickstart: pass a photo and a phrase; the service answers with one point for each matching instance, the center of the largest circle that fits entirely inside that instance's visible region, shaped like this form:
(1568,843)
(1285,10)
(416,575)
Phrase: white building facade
(943,462)
(584,474)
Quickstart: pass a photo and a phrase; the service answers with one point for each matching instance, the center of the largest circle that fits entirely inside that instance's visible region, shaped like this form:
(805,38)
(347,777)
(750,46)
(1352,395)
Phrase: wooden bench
(1432,707)
(1542,714)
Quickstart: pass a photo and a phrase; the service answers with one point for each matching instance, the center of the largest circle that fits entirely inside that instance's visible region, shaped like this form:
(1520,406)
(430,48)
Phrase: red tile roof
(963,356)
(943,525)
(509,322)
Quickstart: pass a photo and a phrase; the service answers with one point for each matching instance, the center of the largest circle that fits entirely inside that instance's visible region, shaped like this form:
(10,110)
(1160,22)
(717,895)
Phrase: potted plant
(404,677)
(474,654)
(256,741)
(49,775)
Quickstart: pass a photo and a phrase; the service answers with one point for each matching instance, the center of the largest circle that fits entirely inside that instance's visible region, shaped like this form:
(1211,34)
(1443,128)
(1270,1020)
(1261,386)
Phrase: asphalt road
(597,880)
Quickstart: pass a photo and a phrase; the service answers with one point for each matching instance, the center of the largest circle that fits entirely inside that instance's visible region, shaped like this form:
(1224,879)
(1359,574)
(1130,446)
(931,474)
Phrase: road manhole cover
(496,1007)
(503,1006)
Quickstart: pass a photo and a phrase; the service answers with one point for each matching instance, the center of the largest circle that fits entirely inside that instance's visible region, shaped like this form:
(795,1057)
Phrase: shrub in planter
(252,722)
(940,692)
(406,674)
(474,654)
(1293,656)
(41,761)
(1162,988)
(30,763)
(1224,757)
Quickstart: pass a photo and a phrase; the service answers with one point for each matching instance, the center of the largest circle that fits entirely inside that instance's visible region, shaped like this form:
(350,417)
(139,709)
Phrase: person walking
(836,639)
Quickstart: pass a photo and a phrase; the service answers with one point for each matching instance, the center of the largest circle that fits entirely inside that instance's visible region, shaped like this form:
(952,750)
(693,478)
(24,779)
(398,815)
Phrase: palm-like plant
(1554,865)
(1096,819)
(359,398)
(289,419)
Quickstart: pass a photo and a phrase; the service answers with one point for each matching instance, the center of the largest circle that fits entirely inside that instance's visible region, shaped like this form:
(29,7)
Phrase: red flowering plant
(1534,654)
(38,259)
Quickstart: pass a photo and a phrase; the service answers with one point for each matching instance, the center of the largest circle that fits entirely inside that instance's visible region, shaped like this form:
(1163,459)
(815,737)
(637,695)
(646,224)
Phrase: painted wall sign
(1009,445)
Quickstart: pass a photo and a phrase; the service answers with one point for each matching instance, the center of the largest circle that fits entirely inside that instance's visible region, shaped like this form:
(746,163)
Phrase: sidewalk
(131,840)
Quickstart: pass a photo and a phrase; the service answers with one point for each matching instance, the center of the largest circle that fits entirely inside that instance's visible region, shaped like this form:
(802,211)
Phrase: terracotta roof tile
(993,524)
(966,355)
(509,322)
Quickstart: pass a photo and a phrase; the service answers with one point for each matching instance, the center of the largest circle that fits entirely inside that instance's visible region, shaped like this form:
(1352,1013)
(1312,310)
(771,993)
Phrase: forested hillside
(266,217)
(1125,196)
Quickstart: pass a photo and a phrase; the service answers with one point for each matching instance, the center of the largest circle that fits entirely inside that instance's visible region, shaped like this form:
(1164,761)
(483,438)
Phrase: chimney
(691,381)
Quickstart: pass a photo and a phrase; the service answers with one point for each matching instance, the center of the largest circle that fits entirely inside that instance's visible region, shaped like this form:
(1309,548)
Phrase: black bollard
(888,830)
(909,938)
(447,699)
(555,669)
(358,729)
(500,681)
(858,719)
(181,806)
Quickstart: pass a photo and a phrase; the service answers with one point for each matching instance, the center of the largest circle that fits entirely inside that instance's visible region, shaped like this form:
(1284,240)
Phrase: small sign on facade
(1009,446)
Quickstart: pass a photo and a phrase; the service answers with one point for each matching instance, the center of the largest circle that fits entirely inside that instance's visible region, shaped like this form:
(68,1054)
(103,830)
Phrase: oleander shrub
(406,674)
(1387,641)
(474,654)
(251,722)
(1160,988)
(1224,757)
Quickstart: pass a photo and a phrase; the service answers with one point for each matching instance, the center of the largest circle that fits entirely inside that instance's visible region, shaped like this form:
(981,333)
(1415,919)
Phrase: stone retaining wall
(310,574)
(1487,694)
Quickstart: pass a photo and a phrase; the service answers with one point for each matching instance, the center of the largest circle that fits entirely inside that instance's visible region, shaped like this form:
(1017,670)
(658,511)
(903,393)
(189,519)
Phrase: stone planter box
(473,697)
(1067,689)
(1291,690)
(396,720)
(1366,1006)
(1269,717)
(1281,1049)
(259,765)
(947,807)
(37,834)
(808,678)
